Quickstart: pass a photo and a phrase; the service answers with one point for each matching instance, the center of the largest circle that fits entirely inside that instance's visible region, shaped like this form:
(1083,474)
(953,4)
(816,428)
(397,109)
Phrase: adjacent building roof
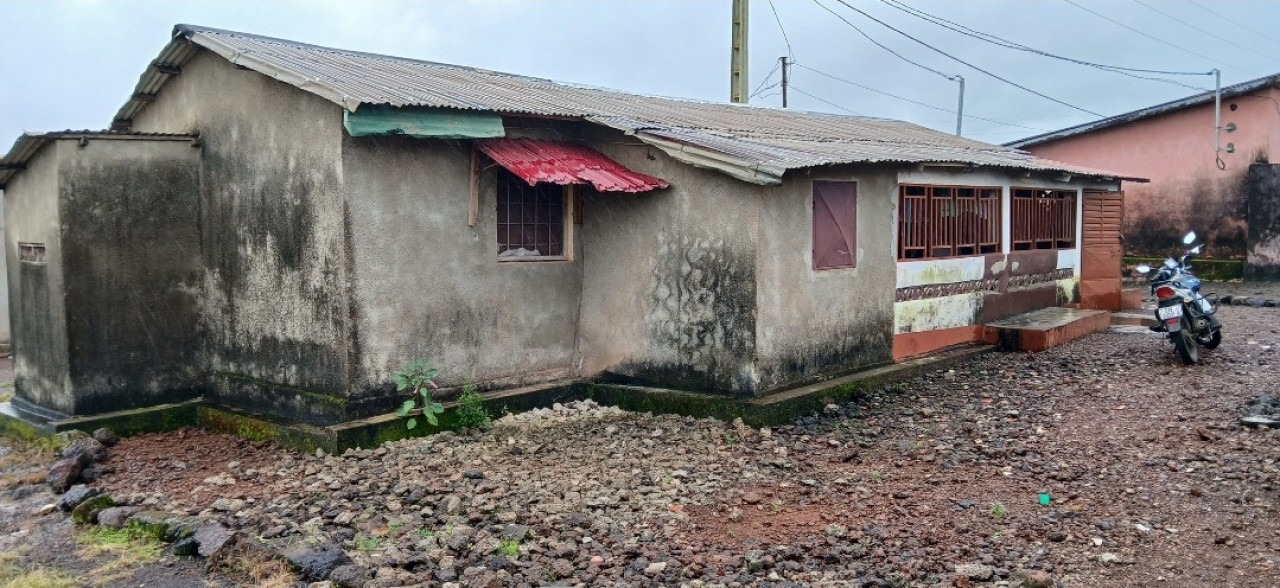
(1128,117)
(28,144)
(557,162)
(751,143)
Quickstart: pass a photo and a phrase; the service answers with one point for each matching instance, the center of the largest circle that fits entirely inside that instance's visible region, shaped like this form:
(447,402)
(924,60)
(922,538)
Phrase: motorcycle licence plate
(1169,312)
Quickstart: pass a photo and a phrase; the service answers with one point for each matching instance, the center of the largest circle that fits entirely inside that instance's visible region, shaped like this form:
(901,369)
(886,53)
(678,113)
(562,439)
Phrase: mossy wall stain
(701,317)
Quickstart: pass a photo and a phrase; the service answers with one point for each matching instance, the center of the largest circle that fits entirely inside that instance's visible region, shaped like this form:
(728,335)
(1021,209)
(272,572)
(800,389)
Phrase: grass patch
(26,463)
(368,542)
(508,547)
(255,567)
(13,575)
(125,550)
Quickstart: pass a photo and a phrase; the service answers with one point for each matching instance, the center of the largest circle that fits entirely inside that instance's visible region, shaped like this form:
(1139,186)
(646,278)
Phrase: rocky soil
(1104,462)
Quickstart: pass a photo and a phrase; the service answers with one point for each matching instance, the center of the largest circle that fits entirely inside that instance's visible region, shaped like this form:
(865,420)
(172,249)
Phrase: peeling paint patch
(936,313)
(940,271)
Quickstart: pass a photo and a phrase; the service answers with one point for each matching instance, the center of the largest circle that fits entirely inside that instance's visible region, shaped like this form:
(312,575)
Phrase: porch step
(1131,298)
(1048,327)
(1135,319)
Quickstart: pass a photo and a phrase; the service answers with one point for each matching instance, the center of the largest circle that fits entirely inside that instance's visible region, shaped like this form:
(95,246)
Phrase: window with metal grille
(1043,219)
(835,225)
(531,219)
(936,222)
(31,252)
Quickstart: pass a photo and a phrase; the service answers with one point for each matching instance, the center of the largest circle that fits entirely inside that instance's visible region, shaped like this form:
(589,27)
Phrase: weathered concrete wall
(669,276)
(37,307)
(430,286)
(4,286)
(1263,261)
(1187,190)
(813,322)
(276,304)
(131,259)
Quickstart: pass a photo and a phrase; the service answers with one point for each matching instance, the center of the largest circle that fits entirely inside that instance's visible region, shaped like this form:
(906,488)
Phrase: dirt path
(1100,463)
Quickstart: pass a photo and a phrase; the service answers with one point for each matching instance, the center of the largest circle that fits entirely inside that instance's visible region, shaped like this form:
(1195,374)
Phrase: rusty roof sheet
(766,140)
(557,162)
(28,144)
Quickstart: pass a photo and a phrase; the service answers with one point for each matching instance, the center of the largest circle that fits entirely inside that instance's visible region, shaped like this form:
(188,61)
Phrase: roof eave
(1142,113)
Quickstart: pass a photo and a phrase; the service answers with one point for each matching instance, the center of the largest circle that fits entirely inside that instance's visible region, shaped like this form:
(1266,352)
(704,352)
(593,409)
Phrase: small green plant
(448,528)
(508,547)
(998,510)
(417,379)
(426,532)
(875,475)
(730,438)
(997,534)
(368,542)
(471,410)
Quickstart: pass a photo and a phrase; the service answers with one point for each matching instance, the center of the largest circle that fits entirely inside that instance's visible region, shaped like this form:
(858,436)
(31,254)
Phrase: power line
(1001,42)
(1239,24)
(1156,39)
(879,44)
(924,104)
(793,87)
(761,87)
(790,54)
(1194,27)
(957,59)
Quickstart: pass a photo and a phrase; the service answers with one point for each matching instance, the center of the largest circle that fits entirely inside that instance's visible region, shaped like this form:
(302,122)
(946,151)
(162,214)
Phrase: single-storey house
(1230,197)
(278,227)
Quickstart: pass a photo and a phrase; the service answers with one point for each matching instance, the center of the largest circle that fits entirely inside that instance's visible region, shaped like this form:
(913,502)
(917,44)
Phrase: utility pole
(960,107)
(738,90)
(784,80)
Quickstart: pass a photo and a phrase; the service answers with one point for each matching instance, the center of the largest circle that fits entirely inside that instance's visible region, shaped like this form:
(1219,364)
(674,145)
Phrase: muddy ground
(1103,462)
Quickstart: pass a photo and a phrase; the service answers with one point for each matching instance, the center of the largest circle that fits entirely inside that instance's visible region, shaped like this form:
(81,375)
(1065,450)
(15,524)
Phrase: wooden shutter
(835,224)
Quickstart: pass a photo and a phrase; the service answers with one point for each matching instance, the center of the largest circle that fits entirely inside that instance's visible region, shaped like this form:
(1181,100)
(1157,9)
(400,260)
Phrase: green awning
(426,123)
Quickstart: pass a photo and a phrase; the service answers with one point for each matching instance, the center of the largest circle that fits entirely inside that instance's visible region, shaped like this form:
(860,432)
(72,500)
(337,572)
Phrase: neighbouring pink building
(1231,198)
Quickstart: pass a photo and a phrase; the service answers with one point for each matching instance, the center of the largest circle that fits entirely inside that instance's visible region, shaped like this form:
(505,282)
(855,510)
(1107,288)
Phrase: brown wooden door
(1101,250)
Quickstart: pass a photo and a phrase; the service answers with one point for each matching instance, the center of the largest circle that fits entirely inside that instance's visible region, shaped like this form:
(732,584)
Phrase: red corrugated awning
(536,160)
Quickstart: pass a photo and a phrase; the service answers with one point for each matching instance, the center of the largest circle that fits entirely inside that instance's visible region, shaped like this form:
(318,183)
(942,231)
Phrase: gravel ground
(1104,462)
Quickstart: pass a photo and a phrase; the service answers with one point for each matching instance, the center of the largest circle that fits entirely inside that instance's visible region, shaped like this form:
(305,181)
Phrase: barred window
(936,222)
(531,219)
(1043,219)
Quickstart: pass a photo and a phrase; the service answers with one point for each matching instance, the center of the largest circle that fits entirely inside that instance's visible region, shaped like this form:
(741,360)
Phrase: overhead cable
(1236,23)
(793,87)
(924,104)
(1196,28)
(1001,42)
(957,59)
(761,87)
(1156,39)
(790,53)
(881,45)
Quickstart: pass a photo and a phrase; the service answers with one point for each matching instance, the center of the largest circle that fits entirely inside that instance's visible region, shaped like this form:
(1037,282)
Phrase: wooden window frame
(930,224)
(1043,219)
(558,219)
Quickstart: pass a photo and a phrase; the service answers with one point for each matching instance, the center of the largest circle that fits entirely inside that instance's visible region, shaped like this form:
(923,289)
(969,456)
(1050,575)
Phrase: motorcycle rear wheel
(1212,341)
(1185,342)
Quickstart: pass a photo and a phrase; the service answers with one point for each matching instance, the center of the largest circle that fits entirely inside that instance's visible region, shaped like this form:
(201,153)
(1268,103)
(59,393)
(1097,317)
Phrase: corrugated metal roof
(536,160)
(1119,119)
(759,144)
(28,144)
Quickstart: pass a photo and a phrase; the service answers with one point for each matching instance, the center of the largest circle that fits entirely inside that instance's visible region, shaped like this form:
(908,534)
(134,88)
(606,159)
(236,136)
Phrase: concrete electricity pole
(738,90)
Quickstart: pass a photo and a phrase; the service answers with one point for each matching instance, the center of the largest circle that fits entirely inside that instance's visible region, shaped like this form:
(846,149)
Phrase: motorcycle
(1186,316)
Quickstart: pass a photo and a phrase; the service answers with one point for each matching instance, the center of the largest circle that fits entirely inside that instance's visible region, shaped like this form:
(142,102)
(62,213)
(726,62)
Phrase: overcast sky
(71,64)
